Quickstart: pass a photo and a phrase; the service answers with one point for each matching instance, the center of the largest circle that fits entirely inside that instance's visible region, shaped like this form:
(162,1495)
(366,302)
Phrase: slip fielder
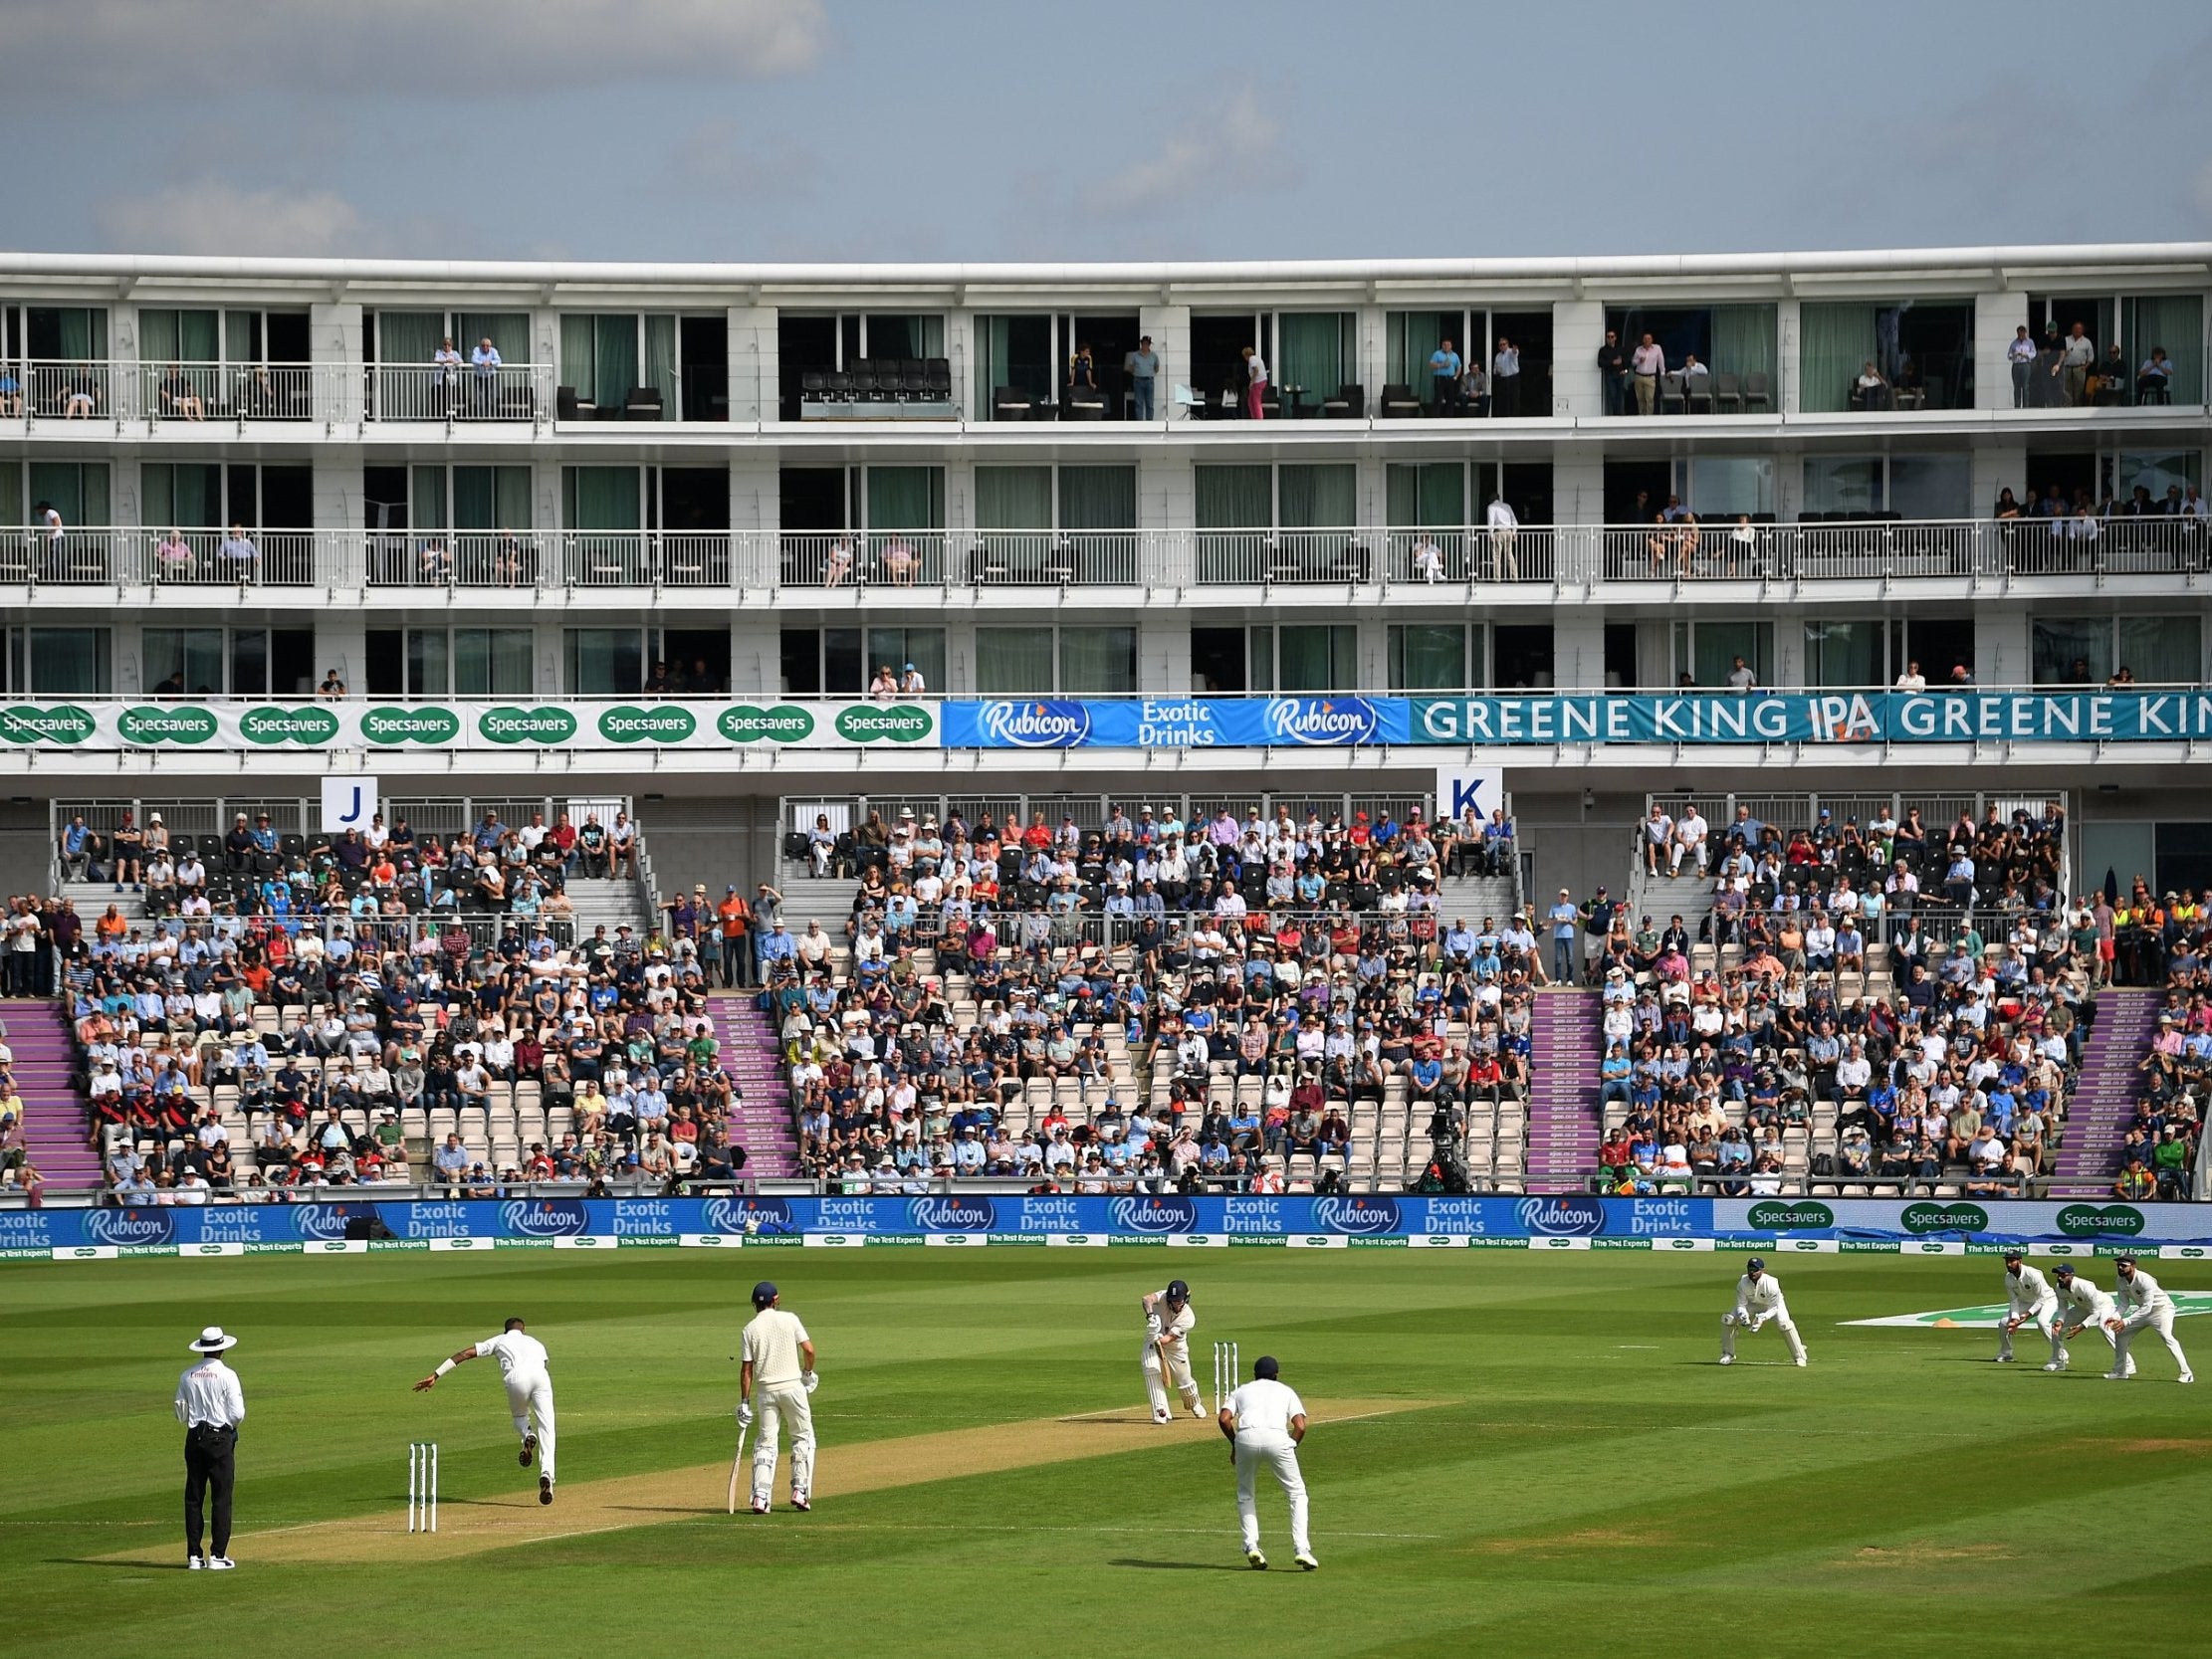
(1758,1300)
(1265,1423)
(2143,1301)
(779,1368)
(523,1368)
(2083,1307)
(2031,1302)
(1168,1322)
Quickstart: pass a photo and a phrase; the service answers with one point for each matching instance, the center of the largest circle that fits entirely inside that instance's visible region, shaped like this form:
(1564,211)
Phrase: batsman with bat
(1758,1300)
(1168,1322)
(779,1368)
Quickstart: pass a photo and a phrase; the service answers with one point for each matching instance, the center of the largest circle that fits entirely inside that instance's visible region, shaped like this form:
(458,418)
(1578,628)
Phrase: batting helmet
(1757,1264)
(1178,1291)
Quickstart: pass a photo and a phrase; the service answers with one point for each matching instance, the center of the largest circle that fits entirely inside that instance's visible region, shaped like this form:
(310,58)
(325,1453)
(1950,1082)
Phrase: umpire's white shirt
(1760,1297)
(2030,1291)
(1262,1409)
(521,1357)
(208,1392)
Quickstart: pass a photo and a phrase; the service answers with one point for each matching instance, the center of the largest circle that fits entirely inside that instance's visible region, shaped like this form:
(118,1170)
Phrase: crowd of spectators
(1274,983)
(17,1172)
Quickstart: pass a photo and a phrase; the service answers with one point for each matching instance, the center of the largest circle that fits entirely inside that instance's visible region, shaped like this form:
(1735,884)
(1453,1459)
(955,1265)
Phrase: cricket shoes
(1162,1415)
(1727,1359)
(192,1564)
(545,1489)
(2056,1365)
(2119,1377)
(2188,1377)
(2003,1359)
(530,1450)
(760,1506)
(1255,1560)
(220,1563)
(1197,1410)
(1305,1560)
(802,1502)
(1801,1362)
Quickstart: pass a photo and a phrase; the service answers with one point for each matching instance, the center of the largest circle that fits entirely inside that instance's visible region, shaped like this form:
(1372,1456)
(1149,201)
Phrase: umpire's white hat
(213,1340)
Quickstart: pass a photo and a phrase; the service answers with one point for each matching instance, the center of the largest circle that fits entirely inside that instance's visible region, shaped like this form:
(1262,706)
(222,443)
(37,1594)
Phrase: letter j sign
(347,803)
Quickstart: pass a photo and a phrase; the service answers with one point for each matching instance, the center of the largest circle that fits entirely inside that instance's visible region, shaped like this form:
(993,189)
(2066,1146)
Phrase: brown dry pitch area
(683,1494)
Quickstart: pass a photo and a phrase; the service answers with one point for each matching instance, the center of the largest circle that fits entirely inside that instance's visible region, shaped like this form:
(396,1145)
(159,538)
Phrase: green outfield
(1535,1453)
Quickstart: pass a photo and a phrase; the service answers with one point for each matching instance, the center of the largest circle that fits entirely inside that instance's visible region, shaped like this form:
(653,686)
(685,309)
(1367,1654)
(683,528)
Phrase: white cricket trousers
(2044,1318)
(775,1404)
(2159,1319)
(1179,1372)
(529,1399)
(1729,1324)
(1278,1453)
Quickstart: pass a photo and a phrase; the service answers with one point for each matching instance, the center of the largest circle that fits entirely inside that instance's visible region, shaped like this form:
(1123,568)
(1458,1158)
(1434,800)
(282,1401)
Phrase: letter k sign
(1461,787)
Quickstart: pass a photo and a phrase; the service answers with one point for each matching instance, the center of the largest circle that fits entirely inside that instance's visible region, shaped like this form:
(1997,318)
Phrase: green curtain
(614,357)
(1834,339)
(406,343)
(577,355)
(659,369)
(1425,496)
(167,336)
(475,499)
(1411,339)
(923,646)
(991,361)
(1235,498)
(1013,498)
(196,653)
(601,499)
(1320,496)
(2162,650)
(243,338)
(1098,662)
(1716,645)
(1845,653)
(1314,350)
(510,332)
(426,499)
(1098,497)
(69,662)
(1014,662)
(2175,322)
(1315,656)
(906,498)
(83,335)
(1743,341)
(1427,657)
(11,495)
(604,662)
(179,496)
(77,490)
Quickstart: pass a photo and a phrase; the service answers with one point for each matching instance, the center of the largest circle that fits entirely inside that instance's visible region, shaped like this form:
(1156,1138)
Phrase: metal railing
(161,394)
(191,393)
(447,394)
(1451,563)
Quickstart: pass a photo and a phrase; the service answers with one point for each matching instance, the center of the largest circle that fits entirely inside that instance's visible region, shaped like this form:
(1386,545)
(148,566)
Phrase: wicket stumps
(422,1486)
(1225,1378)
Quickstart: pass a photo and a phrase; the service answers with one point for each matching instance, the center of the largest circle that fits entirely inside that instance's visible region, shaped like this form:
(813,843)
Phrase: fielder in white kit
(778,1369)
(2141,1302)
(1265,1421)
(523,1368)
(1758,1300)
(2083,1307)
(2030,1302)
(1168,1322)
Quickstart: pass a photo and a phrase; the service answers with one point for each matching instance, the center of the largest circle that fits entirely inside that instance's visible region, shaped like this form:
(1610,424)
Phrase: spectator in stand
(1648,363)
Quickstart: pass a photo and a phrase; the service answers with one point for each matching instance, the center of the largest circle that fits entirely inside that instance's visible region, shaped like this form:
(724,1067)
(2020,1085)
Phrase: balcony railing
(1534,562)
(38,392)
(427,392)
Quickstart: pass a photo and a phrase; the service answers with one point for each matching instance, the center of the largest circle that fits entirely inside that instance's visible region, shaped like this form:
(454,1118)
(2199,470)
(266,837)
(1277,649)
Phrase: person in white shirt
(779,1366)
(523,1368)
(1659,832)
(1264,1422)
(210,1404)
(1169,1321)
(2030,1302)
(1912,680)
(1506,536)
(2141,1301)
(1758,1300)
(1690,833)
(1428,560)
(2083,1307)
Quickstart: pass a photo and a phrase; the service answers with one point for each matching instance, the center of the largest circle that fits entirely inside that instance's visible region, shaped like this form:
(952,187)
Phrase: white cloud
(209,216)
(1236,151)
(490,49)
(718,155)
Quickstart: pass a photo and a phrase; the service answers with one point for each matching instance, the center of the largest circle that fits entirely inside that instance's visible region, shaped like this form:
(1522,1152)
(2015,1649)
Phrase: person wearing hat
(529,1380)
(210,1404)
(2031,1302)
(1169,1321)
(2141,1302)
(1264,1424)
(2083,1307)
(1758,1299)
(911,683)
(735,916)
(779,1365)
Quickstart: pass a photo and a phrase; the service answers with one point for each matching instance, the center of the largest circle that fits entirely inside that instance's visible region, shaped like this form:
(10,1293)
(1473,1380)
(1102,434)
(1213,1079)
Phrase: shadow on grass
(1179,1566)
(167,1563)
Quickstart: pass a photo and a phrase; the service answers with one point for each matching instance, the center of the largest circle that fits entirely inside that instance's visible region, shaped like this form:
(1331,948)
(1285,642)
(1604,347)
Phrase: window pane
(69,662)
(249,662)
(1428,657)
(1013,498)
(1716,645)
(844,672)
(1320,498)
(1014,662)
(2162,650)
(1842,484)
(2071,650)
(1098,662)
(428,673)
(179,661)
(1234,498)
(472,662)
(896,647)
(1098,497)
(1844,654)
(2158,470)
(1723,485)
(605,661)
(1932,486)
(512,650)
(1314,656)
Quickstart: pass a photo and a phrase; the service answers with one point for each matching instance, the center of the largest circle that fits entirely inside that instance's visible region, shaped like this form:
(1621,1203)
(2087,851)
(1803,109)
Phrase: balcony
(178,398)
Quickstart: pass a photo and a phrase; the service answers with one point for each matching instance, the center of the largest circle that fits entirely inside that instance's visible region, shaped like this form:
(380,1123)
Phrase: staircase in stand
(55,1126)
(763,1120)
(1563,1117)
(2097,1114)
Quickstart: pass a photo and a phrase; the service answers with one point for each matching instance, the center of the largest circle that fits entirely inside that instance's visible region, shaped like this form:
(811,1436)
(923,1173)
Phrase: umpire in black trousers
(210,1404)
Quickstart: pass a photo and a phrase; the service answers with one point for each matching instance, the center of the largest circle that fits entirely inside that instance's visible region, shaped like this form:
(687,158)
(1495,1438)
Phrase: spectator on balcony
(2108,385)
(911,683)
(1444,368)
(1143,370)
(1474,389)
(1256,384)
(2020,353)
(2076,359)
(445,375)
(1912,680)
(484,375)
(179,400)
(1872,391)
(2154,379)
(1428,560)
(1505,379)
(80,395)
(837,562)
(900,562)
(1647,363)
(1506,535)
(433,563)
(11,393)
(1612,374)
(1742,678)
(1082,370)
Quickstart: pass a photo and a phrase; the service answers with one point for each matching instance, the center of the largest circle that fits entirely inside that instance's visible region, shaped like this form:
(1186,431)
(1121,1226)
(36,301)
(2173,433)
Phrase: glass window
(1723,485)
(2162,650)
(1906,340)
(1521,655)
(182,662)
(69,662)
(1932,486)
(1234,498)
(1014,662)
(1428,657)
(1098,497)
(1845,653)
(491,662)
(604,662)
(1316,657)
(2156,471)
(1320,498)
(896,647)
(906,498)
(1098,662)
(2071,650)
(429,662)
(1843,484)
(1707,650)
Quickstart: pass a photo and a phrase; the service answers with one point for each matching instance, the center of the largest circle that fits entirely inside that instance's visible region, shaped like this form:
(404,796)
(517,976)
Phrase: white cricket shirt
(772,1343)
(519,1353)
(208,1392)
(2029,1290)
(2140,1292)
(1265,1406)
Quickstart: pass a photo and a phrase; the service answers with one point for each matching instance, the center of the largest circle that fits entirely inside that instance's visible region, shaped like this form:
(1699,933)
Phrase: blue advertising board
(1565,1221)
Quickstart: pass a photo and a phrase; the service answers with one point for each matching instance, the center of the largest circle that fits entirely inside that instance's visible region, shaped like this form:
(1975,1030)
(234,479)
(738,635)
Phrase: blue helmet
(764,1294)
(1757,1264)
(1178,1291)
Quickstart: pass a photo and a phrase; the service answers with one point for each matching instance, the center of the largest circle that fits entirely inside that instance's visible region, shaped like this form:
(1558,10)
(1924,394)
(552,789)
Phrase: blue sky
(890,129)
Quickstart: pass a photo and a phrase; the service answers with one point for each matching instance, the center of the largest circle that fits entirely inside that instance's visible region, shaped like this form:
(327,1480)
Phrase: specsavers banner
(224,725)
(1574,1221)
(1690,719)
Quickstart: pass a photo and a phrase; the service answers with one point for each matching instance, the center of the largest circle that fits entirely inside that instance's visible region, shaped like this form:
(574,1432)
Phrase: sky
(1068,129)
